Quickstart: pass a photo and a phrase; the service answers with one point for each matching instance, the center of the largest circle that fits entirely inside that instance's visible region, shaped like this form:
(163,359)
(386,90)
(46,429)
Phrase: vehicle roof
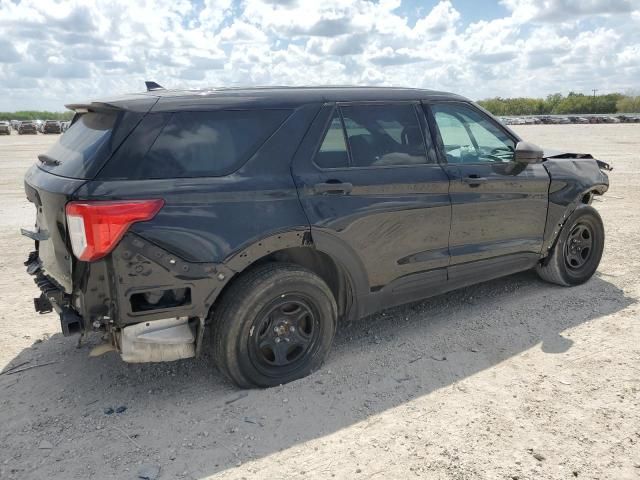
(266,97)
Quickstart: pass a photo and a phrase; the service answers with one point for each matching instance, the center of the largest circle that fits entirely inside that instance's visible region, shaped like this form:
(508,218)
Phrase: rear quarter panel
(208,219)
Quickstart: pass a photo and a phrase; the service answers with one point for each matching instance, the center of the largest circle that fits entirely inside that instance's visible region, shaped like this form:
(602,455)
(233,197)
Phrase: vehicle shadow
(186,419)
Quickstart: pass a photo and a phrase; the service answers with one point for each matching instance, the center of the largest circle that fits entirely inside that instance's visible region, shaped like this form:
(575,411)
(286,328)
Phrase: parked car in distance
(27,127)
(5,128)
(64,126)
(51,126)
(15,124)
(268,215)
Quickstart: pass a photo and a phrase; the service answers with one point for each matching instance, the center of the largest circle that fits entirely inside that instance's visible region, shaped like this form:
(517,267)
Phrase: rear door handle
(474,181)
(333,188)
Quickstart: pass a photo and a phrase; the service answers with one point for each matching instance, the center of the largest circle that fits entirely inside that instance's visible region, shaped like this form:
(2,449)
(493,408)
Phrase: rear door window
(204,144)
(333,151)
(384,135)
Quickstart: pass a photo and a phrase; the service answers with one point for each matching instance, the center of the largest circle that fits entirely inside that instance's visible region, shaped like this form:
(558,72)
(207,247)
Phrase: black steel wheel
(283,334)
(578,249)
(579,245)
(273,325)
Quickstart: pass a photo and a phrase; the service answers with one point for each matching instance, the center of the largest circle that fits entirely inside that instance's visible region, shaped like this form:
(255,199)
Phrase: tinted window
(128,161)
(83,145)
(208,144)
(333,151)
(470,137)
(381,135)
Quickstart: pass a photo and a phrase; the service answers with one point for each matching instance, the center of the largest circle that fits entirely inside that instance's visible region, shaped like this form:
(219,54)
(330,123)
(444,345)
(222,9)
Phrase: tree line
(560,104)
(36,115)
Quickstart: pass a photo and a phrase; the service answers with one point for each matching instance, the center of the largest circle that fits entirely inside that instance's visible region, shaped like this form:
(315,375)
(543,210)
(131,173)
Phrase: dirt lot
(510,379)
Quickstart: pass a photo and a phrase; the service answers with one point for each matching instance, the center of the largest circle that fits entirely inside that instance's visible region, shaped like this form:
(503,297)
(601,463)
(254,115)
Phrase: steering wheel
(493,154)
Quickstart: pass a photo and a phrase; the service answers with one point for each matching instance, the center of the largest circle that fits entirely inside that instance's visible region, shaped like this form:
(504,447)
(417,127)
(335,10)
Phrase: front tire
(578,249)
(274,324)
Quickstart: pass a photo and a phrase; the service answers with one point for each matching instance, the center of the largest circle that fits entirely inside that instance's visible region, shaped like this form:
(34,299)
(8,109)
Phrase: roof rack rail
(151,86)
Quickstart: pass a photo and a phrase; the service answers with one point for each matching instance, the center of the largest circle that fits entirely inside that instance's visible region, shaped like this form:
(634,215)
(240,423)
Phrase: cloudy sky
(52,52)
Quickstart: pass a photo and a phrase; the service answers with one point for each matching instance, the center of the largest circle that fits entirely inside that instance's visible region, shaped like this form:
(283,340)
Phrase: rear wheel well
(314,260)
(322,265)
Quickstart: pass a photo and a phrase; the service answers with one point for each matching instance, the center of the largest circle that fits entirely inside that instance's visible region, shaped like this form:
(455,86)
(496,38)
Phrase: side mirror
(528,153)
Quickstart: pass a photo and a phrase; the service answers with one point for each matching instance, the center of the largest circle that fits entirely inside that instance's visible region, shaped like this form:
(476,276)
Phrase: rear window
(194,144)
(83,145)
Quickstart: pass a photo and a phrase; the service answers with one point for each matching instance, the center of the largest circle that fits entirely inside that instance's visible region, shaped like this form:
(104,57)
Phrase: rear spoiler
(141,103)
(92,107)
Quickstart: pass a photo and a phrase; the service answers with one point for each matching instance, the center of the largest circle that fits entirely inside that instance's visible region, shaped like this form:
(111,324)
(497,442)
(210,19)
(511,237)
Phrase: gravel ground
(510,379)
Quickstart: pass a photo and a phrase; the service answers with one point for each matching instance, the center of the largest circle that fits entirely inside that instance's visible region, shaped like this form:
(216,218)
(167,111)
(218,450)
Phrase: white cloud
(565,10)
(55,52)
(440,20)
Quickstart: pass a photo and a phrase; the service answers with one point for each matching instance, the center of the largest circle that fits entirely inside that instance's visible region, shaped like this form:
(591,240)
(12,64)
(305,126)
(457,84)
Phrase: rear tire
(273,325)
(578,250)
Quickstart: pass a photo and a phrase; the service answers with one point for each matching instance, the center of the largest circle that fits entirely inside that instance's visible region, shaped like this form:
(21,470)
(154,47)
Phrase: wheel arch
(321,253)
(583,201)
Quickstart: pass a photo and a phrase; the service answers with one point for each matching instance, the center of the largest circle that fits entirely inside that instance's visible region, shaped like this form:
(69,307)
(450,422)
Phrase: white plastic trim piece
(158,341)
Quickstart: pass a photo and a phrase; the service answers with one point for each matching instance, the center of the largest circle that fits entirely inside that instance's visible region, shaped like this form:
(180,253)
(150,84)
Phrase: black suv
(51,126)
(27,128)
(269,214)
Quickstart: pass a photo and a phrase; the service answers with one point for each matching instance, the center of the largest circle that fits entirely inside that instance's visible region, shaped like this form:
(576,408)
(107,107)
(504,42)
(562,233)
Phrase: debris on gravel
(149,472)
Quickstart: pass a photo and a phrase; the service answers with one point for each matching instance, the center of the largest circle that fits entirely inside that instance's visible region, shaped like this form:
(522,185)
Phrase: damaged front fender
(575,178)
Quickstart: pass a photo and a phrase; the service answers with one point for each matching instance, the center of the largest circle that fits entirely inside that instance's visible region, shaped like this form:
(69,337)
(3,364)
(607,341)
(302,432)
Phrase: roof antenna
(151,86)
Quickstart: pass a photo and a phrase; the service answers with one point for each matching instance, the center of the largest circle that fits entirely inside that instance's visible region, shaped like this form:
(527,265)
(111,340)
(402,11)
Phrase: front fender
(573,181)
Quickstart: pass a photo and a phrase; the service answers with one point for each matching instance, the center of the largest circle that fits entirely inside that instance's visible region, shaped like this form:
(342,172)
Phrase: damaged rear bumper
(53,298)
(152,304)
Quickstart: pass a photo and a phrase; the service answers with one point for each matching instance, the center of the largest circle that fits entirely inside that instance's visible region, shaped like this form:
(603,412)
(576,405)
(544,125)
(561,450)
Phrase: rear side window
(83,146)
(202,144)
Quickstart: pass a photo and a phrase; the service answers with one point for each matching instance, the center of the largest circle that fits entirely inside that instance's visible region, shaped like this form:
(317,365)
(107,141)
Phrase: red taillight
(96,227)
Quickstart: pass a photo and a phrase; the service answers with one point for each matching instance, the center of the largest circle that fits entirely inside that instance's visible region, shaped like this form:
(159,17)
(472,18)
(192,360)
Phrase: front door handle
(474,180)
(333,187)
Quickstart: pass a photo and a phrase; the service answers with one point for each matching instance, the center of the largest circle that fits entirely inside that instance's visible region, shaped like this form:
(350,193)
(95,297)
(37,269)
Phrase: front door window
(470,137)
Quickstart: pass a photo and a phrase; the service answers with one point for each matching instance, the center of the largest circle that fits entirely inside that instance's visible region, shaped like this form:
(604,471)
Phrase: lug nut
(292,329)
(277,340)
